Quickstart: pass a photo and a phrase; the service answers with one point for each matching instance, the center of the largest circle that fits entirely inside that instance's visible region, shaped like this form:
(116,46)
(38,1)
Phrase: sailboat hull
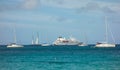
(105,45)
(15,45)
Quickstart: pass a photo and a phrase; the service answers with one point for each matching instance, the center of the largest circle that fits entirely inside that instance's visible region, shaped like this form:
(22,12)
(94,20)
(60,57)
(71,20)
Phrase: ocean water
(59,58)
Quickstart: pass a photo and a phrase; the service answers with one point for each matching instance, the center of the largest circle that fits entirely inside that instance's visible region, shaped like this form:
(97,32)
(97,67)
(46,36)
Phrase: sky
(81,19)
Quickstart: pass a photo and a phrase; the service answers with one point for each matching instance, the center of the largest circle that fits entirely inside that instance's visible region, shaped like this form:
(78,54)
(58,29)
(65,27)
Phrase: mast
(32,39)
(37,39)
(106,35)
(85,36)
(111,33)
(14,32)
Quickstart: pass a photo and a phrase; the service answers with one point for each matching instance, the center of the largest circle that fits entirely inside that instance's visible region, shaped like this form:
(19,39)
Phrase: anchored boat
(106,44)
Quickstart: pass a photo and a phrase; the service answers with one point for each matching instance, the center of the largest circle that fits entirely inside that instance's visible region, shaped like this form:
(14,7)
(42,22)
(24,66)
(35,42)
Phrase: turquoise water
(59,58)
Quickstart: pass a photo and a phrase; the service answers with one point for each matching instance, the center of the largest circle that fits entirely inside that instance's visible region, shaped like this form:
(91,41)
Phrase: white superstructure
(64,41)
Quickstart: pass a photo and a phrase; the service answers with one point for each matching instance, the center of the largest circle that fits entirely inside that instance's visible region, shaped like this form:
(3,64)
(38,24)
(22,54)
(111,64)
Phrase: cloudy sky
(52,18)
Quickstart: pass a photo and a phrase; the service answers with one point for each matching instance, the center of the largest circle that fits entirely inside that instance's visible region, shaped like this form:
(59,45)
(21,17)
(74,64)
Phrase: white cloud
(106,8)
(88,5)
(30,4)
(19,5)
(64,3)
(116,8)
(35,18)
(109,7)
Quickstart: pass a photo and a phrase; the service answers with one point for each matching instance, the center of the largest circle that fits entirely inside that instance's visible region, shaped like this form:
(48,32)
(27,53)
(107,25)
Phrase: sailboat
(106,44)
(84,44)
(36,42)
(14,45)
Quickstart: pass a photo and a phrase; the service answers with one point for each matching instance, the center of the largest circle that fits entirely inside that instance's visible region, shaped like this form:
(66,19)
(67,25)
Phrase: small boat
(82,44)
(45,44)
(85,43)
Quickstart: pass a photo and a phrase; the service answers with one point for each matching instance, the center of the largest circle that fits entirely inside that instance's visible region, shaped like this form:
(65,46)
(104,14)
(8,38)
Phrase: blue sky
(53,18)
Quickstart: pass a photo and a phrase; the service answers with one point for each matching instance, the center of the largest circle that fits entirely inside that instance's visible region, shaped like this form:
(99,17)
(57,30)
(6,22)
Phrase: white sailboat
(106,44)
(13,45)
(84,44)
(36,42)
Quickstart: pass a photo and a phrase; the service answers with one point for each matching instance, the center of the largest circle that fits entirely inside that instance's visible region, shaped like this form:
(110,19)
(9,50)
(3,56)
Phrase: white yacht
(14,45)
(64,41)
(106,44)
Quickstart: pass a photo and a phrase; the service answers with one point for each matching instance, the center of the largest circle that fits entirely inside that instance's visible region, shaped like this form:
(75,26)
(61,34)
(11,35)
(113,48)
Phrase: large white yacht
(64,41)
(106,44)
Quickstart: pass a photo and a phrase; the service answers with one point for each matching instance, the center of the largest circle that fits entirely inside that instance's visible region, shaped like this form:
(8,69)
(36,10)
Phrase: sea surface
(59,58)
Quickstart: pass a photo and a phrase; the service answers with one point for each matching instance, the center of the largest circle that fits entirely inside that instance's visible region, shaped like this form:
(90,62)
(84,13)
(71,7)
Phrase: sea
(59,58)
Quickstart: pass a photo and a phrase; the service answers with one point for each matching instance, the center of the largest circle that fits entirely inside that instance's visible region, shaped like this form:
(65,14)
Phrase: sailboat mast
(37,39)
(111,34)
(85,38)
(32,39)
(14,32)
(106,35)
